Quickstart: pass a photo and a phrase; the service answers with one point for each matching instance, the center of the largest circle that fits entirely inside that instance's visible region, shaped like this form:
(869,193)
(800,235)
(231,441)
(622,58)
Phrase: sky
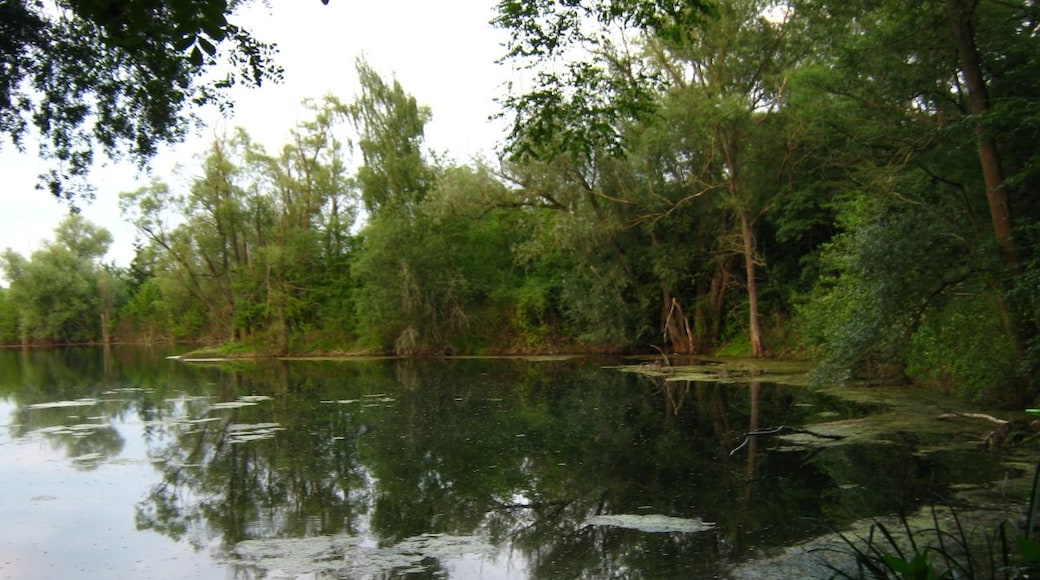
(443,53)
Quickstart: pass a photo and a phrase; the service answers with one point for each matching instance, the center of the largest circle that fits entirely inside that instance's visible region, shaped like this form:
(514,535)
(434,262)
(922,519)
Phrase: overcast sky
(443,53)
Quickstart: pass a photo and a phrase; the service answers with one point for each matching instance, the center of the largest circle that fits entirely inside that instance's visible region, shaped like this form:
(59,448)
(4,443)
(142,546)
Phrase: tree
(119,76)
(61,293)
(302,262)
(977,92)
(9,317)
(395,303)
(707,83)
(259,247)
(575,105)
(394,177)
(204,254)
(728,76)
(927,254)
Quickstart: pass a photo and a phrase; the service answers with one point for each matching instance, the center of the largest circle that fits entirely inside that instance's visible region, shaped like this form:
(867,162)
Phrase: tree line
(848,181)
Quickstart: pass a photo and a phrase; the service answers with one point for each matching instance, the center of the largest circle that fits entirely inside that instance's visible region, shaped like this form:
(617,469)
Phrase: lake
(126,464)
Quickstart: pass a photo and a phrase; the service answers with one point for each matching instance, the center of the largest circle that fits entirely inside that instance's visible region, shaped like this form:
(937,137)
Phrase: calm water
(134,466)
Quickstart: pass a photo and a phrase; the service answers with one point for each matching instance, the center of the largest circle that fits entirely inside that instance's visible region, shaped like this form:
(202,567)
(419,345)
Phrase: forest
(851,182)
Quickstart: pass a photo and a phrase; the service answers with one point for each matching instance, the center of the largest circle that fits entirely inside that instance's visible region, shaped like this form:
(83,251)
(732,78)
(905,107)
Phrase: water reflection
(460,467)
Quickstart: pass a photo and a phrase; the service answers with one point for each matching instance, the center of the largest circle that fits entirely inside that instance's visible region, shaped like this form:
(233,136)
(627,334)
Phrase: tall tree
(394,176)
(205,251)
(962,16)
(303,260)
(729,74)
(718,75)
(393,181)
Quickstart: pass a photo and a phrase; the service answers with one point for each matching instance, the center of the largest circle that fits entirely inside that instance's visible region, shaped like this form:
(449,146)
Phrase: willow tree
(203,240)
(428,261)
(394,299)
(301,266)
(727,77)
(720,69)
(394,176)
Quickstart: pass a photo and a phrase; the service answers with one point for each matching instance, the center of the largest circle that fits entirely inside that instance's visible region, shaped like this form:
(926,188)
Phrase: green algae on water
(652,523)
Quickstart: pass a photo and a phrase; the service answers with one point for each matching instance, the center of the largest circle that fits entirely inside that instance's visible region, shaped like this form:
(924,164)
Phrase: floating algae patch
(652,523)
(231,405)
(243,401)
(726,371)
(178,422)
(243,432)
(87,458)
(254,398)
(186,399)
(352,557)
(550,358)
(60,404)
(120,390)
(378,398)
(76,431)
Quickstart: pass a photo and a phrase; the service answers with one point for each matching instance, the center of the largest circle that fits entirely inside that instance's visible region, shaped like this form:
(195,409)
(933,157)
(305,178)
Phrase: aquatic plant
(938,552)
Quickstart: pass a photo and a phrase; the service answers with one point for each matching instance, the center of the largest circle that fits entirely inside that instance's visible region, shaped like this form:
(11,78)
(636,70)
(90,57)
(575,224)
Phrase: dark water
(134,466)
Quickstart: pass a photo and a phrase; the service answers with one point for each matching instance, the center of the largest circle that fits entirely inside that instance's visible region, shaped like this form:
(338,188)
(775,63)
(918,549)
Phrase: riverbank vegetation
(847,181)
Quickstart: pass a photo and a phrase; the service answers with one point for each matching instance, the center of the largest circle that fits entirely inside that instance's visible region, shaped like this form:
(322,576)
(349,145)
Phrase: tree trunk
(283,330)
(989,155)
(754,319)
(960,15)
(676,326)
(106,337)
(717,298)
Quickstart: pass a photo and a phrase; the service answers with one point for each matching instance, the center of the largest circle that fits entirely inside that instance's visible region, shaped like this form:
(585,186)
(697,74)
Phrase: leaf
(1029,549)
(917,568)
(207,46)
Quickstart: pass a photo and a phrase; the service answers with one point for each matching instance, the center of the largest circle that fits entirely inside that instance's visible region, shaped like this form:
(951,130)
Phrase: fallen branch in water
(996,437)
(778,430)
(1007,432)
(990,418)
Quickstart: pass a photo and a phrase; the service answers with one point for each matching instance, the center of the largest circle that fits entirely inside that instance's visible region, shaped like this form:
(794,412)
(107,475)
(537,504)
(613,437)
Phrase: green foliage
(536,311)
(59,292)
(390,123)
(579,112)
(9,318)
(963,345)
(150,62)
(426,283)
(885,275)
(145,314)
(1026,297)
(261,250)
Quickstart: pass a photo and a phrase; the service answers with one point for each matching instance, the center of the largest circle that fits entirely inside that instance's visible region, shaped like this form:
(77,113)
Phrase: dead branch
(990,418)
(780,430)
